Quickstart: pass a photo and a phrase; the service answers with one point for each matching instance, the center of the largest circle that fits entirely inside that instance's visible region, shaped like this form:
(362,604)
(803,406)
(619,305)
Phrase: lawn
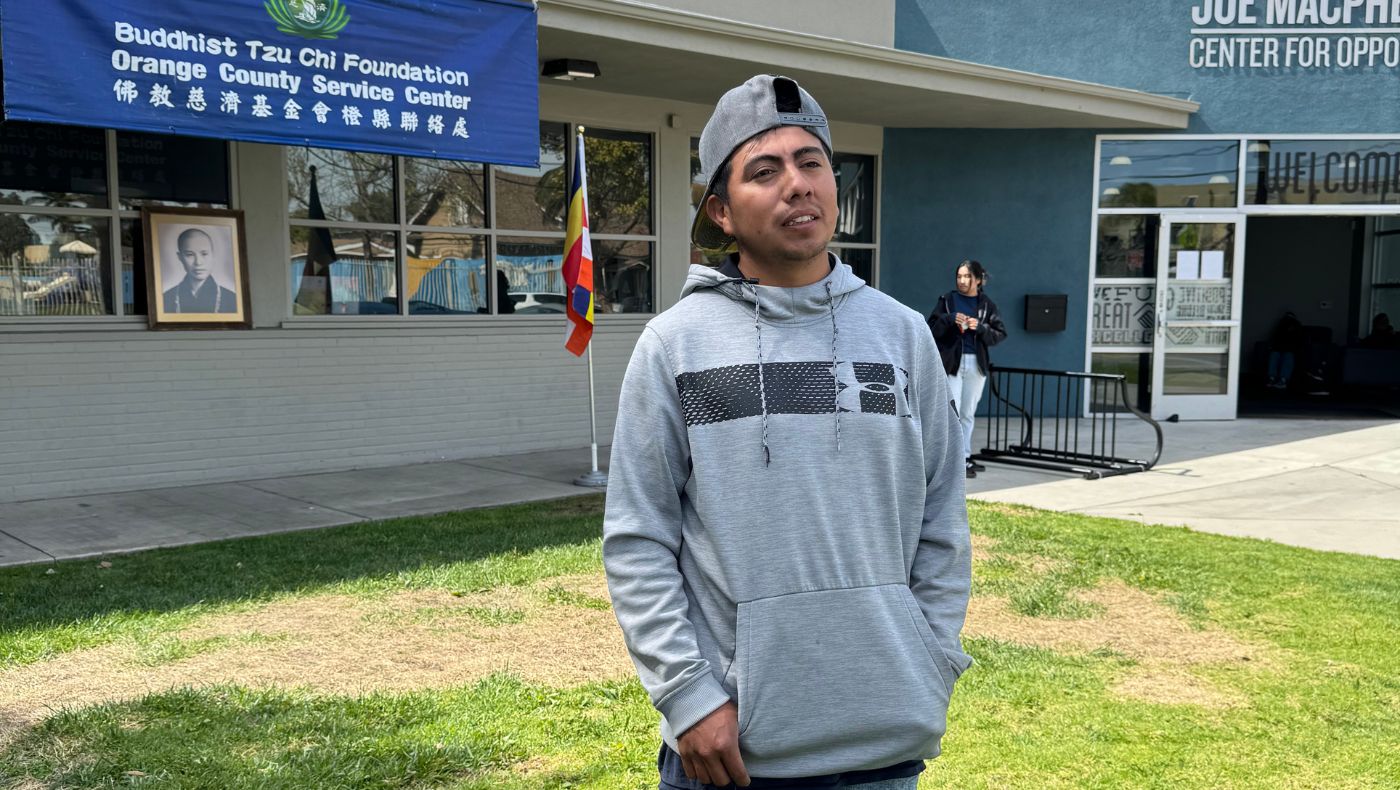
(476,650)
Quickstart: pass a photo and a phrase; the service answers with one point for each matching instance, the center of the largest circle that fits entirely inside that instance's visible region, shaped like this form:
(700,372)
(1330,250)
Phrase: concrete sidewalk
(1323,484)
(59,529)
(1332,484)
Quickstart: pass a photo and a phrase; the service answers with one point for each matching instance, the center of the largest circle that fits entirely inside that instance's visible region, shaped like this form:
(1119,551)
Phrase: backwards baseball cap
(764,102)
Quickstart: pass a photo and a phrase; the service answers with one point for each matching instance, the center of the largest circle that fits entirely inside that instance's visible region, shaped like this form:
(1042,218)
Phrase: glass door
(1196,342)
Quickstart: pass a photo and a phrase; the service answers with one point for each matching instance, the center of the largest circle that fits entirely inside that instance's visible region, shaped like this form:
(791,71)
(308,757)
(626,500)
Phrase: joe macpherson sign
(453,79)
(1286,34)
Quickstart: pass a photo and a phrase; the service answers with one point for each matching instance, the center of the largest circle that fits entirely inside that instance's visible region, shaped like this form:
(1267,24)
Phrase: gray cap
(764,102)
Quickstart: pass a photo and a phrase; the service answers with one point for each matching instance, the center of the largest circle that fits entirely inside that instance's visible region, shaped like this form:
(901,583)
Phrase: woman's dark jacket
(990,331)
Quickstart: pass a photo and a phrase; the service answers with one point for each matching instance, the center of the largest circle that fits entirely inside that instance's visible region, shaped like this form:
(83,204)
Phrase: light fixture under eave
(1258,147)
(1111,192)
(570,69)
(1121,160)
(1219,179)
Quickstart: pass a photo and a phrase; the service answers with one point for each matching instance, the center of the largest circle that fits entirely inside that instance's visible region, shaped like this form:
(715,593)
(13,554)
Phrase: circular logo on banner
(315,19)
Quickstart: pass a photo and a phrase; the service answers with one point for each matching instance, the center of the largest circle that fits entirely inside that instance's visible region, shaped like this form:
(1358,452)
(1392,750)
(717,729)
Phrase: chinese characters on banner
(454,79)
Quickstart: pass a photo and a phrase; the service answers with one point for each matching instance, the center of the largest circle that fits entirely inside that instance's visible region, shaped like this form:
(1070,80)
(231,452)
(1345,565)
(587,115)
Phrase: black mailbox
(1046,312)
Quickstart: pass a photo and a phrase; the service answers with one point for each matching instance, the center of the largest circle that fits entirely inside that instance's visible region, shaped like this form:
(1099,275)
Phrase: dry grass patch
(982,547)
(344,645)
(1132,624)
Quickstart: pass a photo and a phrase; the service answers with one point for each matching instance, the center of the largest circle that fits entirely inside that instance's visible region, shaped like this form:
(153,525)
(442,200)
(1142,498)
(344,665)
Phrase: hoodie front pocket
(835,680)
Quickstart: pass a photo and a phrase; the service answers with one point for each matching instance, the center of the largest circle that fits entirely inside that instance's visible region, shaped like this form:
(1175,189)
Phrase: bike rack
(1047,404)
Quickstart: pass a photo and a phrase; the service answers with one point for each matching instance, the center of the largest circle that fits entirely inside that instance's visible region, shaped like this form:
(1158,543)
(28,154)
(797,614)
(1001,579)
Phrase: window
(70,200)
(855,226)
(854,241)
(1322,172)
(460,238)
(1168,173)
(1385,273)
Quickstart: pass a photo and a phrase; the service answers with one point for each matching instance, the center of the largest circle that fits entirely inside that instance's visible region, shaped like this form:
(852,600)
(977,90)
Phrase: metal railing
(61,285)
(1045,405)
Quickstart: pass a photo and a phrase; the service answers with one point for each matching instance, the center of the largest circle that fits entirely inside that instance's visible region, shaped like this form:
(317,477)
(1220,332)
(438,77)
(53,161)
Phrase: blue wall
(1144,45)
(1016,200)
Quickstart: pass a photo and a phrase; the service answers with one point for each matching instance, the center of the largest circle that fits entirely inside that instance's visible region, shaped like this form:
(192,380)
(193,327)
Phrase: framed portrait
(196,269)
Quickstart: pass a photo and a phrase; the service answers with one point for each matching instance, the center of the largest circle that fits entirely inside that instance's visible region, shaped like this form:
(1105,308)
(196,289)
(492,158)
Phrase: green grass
(145,596)
(1323,712)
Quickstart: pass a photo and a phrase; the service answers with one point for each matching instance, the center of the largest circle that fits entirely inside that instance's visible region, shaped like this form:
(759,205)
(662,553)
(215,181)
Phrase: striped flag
(578,261)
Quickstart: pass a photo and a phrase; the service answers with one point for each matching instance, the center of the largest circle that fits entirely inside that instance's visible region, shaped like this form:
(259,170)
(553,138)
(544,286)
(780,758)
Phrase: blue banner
(451,79)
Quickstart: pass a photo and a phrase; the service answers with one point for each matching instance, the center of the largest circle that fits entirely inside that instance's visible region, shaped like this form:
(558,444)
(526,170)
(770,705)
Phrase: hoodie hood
(778,305)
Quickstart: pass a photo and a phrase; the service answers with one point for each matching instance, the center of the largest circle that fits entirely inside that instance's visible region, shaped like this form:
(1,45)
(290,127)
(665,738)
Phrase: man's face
(196,254)
(782,197)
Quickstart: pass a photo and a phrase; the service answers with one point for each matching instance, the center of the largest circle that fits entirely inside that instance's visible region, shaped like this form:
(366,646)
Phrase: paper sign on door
(1188,265)
(1213,265)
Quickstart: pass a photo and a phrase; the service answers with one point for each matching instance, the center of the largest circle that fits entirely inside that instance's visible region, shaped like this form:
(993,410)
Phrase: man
(786,536)
(198,291)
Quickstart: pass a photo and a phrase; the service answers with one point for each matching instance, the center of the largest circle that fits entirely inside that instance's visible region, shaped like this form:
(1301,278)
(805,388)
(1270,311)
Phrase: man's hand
(710,750)
(972,323)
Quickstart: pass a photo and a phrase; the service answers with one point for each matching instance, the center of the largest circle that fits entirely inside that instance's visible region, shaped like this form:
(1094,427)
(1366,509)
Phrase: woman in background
(965,323)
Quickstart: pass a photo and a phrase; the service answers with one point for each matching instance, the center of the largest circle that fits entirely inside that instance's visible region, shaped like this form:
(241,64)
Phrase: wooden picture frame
(196,268)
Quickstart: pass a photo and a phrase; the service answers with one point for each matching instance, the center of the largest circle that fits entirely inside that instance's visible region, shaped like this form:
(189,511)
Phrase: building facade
(1071,153)
(1282,191)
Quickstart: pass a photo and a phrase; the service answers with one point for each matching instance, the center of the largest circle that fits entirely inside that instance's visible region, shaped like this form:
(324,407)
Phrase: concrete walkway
(1322,484)
(53,529)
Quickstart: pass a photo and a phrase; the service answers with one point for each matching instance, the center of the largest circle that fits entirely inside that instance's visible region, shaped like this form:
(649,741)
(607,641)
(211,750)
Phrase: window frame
(114,214)
(1240,207)
(491,233)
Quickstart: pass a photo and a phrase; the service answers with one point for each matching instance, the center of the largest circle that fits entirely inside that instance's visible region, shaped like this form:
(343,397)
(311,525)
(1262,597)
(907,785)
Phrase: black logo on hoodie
(733,392)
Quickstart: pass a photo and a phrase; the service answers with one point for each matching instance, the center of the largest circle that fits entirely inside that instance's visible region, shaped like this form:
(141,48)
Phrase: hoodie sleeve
(941,579)
(642,540)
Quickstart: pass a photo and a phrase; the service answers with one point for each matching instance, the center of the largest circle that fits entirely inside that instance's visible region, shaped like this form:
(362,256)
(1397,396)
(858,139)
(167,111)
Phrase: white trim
(1093,270)
(1250,136)
(1202,406)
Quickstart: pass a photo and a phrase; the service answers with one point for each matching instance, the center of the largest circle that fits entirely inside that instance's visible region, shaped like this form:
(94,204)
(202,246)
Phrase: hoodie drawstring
(762,391)
(831,306)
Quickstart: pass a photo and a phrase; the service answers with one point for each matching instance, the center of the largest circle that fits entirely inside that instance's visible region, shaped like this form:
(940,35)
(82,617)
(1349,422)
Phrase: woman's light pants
(966,386)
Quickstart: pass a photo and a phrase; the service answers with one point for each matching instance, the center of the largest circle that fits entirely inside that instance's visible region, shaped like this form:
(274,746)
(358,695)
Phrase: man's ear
(718,212)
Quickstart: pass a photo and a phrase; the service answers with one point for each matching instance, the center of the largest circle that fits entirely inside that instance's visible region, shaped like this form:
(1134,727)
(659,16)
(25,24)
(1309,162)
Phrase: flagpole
(594,478)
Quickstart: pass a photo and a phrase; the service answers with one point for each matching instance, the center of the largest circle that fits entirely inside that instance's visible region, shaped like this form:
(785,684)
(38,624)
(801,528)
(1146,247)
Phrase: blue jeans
(1280,366)
(966,386)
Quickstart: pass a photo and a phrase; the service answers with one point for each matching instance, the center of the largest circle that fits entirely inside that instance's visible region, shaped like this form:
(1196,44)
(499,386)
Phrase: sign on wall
(1323,172)
(452,79)
(1352,35)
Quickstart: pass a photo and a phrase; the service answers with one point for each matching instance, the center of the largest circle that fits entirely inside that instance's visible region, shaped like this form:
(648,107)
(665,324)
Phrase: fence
(62,285)
(1035,421)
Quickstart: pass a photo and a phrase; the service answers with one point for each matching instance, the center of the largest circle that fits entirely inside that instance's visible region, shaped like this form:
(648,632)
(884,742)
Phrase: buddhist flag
(578,261)
(314,295)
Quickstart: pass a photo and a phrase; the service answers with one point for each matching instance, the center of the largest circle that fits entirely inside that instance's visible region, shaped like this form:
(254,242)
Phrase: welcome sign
(450,79)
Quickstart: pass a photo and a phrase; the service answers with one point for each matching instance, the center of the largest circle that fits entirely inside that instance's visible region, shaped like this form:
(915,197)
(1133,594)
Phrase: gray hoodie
(786,525)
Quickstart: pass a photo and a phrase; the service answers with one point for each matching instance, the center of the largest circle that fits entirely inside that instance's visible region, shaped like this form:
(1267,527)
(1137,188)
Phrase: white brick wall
(91,412)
